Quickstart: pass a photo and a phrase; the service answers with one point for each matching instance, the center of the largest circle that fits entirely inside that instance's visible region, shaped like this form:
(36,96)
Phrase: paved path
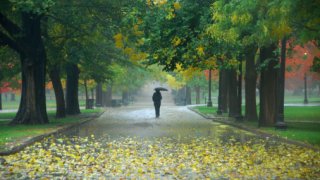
(138,120)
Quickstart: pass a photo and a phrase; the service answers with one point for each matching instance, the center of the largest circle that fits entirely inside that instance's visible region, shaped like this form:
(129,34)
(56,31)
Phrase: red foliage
(214,74)
(298,64)
(5,87)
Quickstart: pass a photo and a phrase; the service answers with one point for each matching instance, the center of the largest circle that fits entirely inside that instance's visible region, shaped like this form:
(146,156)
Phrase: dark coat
(157,98)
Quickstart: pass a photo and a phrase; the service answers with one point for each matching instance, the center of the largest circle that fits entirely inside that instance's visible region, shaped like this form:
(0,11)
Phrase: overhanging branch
(7,41)
(9,26)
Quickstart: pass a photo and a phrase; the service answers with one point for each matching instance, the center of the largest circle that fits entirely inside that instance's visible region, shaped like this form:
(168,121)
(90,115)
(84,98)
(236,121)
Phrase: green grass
(291,113)
(18,132)
(306,113)
(300,99)
(15,104)
(206,110)
(6,116)
(301,131)
(51,114)
(290,99)
(303,123)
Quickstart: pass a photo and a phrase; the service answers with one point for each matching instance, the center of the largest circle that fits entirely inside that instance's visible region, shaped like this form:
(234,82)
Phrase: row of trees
(91,40)
(226,35)
(59,39)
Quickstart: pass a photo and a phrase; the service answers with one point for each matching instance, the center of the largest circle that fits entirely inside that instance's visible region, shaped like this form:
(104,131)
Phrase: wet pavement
(137,121)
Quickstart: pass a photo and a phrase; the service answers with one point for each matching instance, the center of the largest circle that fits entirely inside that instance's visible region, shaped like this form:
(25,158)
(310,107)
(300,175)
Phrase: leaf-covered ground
(129,143)
(161,158)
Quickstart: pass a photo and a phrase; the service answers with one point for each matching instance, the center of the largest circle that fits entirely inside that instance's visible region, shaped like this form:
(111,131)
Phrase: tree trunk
(280,124)
(233,98)
(86,94)
(109,96)
(99,95)
(219,111)
(268,89)
(188,95)
(72,89)
(250,87)
(32,109)
(125,97)
(58,91)
(104,97)
(239,92)
(92,94)
(197,94)
(225,90)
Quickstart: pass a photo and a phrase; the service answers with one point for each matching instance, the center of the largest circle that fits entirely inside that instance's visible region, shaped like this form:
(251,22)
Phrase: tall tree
(268,85)
(250,85)
(72,101)
(26,40)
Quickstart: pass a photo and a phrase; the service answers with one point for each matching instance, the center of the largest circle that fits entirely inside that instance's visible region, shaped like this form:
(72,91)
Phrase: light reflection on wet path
(140,121)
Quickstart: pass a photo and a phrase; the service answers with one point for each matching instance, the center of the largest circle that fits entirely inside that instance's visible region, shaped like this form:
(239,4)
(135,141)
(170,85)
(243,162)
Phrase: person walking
(157,102)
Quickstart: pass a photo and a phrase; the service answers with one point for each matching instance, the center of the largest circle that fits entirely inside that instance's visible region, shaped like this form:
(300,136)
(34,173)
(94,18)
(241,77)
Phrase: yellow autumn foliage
(136,30)
(177,6)
(187,74)
(157,2)
(211,62)
(241,19)
(190,72)
(118,38)
(176,41)
(173,83)
(229,36)
(161,158)
(200,50)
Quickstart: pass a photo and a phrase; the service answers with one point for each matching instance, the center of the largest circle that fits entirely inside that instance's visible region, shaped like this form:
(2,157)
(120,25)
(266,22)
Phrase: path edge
(37,138)
(260,133)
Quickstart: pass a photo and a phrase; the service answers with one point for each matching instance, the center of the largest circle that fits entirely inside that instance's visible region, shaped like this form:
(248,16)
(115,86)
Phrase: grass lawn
(15,104)
(301,131)
(303,123)
(12,134)
(300,99)
(308,113)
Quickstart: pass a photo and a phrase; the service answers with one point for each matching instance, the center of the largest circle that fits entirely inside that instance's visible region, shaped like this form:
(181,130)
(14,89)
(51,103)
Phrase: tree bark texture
(32,109)
(250,86)
(225,90)
(99,95)
(280,85)
(72,100)
(268,86)
(233,98)
(54,74)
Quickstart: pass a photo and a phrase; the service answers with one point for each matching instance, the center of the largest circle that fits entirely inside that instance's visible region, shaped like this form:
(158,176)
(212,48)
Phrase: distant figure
(157,102)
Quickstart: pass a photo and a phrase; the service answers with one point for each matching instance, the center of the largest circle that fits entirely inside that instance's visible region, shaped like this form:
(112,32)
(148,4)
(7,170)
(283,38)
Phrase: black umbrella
(160,89)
